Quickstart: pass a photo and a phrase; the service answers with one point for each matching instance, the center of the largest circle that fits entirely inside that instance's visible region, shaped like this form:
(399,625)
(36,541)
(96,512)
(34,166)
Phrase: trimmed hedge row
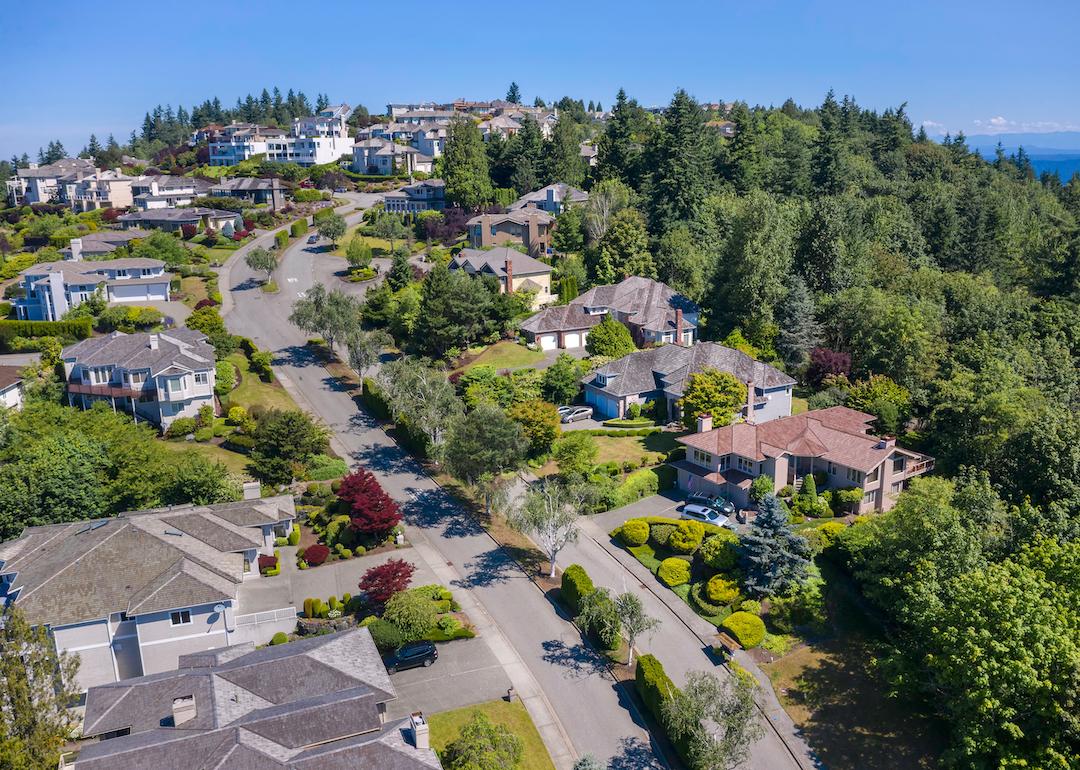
(622,422)
(79,328)
(619,433)
(656,688)
(576,585)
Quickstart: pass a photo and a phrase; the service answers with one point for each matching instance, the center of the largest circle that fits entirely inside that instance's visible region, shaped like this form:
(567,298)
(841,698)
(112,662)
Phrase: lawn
(446,725)
(234,461)
(194,289)
(506,355)
(621,449)
(379,246)
(798,405)
(252,390)
(835,697)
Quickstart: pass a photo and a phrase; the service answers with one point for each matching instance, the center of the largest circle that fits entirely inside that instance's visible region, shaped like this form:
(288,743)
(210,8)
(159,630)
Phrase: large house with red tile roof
(835,442)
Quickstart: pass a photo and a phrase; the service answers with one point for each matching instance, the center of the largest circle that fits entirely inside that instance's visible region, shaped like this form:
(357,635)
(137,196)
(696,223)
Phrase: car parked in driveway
(578,413)
(412,655)
(715,502)
(705,515)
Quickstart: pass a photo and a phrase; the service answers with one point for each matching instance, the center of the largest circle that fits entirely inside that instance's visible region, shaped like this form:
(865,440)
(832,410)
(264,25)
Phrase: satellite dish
(219,608)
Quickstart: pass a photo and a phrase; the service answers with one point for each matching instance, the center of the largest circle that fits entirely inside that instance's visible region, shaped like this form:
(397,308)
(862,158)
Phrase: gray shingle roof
(642,301)
(185,348)
(562,192)
(284,721)
(493,262)
(177,215)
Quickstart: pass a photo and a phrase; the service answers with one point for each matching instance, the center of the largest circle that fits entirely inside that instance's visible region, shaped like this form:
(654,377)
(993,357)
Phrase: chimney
(154,187)
(183,710)
(419,725)
(252,490)
(153,342)
(508,266)
(749,400)
(76,249)
(704,422)
(678,326)
(887,442)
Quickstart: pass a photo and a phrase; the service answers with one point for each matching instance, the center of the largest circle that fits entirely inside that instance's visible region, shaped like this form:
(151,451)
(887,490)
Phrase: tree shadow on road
(247,284)
(296,355)
(580,660)
(489,568)
(434,509)
(634,754)
(389,459)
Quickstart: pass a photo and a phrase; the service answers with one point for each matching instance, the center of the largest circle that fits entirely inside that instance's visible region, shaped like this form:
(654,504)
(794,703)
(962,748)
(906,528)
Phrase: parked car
(339,189)
(715,502)
(564,409)
(313,239)
(578,413)
(704,514)
(412,655)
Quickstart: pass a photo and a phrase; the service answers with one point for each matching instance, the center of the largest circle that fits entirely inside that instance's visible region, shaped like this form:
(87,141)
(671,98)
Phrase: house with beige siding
(529,227)
(835,443)
(132,593)
(513,270)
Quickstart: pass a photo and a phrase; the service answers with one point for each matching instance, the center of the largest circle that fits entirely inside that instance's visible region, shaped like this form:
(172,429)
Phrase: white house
(108,189)
(53,288)
(161,191)
(313,140)
(381,156)
(155,376)
(11,387)
(133,593)
(47,184)
(421,196)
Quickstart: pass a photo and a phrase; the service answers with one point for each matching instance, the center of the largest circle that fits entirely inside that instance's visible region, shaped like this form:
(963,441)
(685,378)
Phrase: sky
(76,68)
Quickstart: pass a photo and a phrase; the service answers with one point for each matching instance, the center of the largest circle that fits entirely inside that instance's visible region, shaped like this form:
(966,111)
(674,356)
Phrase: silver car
(704,514)
(578,413)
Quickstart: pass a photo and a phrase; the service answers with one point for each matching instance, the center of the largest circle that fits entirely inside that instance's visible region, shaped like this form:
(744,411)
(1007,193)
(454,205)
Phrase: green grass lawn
(507,355)
(234,461)
(798,405)
(252,390)
(379,246)
(446,725)
(622,448)
(194,289)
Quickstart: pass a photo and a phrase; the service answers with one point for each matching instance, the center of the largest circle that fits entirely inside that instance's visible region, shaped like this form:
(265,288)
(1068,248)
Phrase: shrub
(661,533)
(699,598)
(298,228)
(759,487)
(316,554)
(237,415)
(634,532)
(720,551)
(239,443)
(448,624)
(224,378)
(720,590)
(280,541)
(637,485)
(309,607)
(262,365)
(323,467)
(748,630)
(281,239)
(386,635)
(412,614)
(753,606)
(373,512)
(687,536)
(182,426)
(278,638)
(267,563)
(576,585)
(381,582)
(674,572)
(653,685)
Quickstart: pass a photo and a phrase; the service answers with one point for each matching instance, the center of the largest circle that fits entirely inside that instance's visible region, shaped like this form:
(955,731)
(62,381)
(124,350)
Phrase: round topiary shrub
(753,606)
(661,533)
(674,571)
(719,551)
(316,554)
(748,630)
(720,590)
(386,635)
(699,599)
(634,532)
(687,536)
(279,638)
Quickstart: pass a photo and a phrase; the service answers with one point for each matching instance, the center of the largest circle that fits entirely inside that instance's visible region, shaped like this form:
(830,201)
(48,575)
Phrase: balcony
(110,391)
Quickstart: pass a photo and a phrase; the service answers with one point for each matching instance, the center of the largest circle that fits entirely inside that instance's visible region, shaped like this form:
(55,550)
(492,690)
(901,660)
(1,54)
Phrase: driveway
(663,504)
(466,673)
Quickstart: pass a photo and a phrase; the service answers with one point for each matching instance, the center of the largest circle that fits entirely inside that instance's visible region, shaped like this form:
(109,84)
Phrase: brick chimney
(704,423)
(749,400)
(508,266)
(678,326)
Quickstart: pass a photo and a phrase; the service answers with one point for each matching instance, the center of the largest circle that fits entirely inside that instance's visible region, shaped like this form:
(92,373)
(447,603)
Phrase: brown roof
(838,434)
(9,375)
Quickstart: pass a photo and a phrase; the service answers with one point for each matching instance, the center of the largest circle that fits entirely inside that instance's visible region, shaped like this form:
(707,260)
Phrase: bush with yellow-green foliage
(719,550)
(748,630)
(720,590)
(674,572)
(687,536)
(634,532)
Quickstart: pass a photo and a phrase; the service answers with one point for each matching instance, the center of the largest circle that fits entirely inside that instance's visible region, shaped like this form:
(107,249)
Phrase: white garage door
(548,341)
(572,340)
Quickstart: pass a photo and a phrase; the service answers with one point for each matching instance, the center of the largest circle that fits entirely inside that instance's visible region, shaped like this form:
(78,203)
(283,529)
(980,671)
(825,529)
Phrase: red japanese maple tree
(373,512)
(382,582)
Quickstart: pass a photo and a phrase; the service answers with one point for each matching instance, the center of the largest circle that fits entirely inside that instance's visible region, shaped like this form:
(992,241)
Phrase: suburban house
(161,191)
(653,311)
(313,140)
(530,227)
(252,189)
(551,199)
(834,442)
(101,190)
(172,219)
(53,288)
(100,243)
(725,128)
(589,155)
(47,184)
(502,125)
(382,156)
(131,594)
(430,139)
(660,374)
(515,271)
(11,387)
(154,376)
(429,195)
(317,702)
(423,115)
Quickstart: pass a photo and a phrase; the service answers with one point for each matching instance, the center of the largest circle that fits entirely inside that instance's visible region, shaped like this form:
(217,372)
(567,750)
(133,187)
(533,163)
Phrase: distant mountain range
(1052,151)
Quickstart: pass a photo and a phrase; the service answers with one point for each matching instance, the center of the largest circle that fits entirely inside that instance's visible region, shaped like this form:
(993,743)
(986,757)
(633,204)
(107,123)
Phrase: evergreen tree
(619,149)
(800,331)
(830,151)
(624,249)
(681,159)
(564,161)
(609,338)
(773,557)
(569,235)
(400,271)
(513,94)
(526,152)
(465,166)
(93,147)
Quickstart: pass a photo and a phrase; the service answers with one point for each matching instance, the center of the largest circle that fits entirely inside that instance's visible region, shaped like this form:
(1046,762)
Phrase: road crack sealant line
(708,643)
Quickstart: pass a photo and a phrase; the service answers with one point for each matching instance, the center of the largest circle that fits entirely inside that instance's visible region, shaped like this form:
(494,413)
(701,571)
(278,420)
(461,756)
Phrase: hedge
(674,571)
(281,239)
(620,433)
(641,422)
(298,228)
(374,399)
(653,685)
(634,532)
(322,214)
(79,328)
(385,634)
(687,536)
(576,585)
(661,533)
(238,442)
(748,630)
(639,484)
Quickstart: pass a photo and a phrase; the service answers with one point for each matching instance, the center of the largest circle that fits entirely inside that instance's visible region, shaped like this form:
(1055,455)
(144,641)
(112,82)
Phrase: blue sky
(73,68)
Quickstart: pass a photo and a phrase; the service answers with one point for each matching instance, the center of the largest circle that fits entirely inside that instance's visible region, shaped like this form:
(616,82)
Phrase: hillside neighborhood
(537,434)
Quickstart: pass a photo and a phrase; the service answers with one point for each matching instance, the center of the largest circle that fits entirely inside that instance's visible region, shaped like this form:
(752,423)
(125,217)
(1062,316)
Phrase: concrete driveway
(663,504)
(466,673)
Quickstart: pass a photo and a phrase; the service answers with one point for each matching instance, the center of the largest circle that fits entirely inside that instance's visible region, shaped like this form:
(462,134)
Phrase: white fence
(260,627)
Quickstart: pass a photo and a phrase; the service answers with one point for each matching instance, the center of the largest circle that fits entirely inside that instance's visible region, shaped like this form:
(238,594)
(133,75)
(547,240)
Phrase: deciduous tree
(713,392)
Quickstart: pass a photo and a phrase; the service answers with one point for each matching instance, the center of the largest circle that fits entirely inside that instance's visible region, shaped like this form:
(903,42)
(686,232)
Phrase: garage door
(548,341)
(572,340)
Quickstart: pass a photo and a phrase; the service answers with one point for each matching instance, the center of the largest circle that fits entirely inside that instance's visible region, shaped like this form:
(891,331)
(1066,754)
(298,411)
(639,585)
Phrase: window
(136,378)
(744,465)
(854,476)
(725,462)
(831,467)
(202,378)
(899,462)
(176,384)
(897,487)
(870,496)
(181,618)
(873,475)
(702,458)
